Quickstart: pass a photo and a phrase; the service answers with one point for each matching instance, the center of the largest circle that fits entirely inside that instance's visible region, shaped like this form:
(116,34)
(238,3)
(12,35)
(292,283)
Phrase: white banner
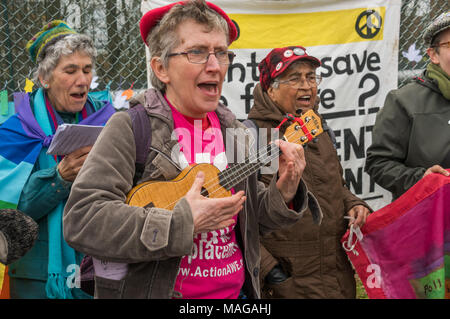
(357,42)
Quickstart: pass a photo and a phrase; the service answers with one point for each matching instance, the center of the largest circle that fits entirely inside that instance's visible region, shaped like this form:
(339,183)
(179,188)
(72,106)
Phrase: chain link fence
(415,17)
(113,24)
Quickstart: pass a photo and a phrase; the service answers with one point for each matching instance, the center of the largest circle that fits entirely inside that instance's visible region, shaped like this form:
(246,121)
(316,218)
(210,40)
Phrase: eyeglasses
(199,56)
(442,44)
(296,82)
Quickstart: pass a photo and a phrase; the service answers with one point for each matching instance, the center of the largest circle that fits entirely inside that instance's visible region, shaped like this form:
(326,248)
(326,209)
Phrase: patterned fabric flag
(405,247)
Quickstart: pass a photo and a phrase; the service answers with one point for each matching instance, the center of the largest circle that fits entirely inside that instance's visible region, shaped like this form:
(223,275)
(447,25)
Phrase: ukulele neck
(238,172)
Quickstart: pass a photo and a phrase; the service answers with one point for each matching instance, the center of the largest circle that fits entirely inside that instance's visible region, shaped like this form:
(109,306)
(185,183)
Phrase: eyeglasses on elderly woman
(296,81)
(200,56)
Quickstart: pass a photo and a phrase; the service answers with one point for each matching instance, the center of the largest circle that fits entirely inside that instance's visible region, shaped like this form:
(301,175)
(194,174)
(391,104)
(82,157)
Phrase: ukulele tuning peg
(307,119)
(313,132)
(297,127)
(303,138)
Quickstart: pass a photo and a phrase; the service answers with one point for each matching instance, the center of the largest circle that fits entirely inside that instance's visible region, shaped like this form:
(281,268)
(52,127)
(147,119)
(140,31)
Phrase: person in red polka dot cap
(306,260)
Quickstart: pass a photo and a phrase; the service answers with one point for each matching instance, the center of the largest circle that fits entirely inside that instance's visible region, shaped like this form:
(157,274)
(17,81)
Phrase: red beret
(152,17)
(278,60)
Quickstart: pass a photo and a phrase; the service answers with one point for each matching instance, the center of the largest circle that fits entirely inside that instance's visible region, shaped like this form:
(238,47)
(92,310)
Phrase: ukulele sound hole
(204,192)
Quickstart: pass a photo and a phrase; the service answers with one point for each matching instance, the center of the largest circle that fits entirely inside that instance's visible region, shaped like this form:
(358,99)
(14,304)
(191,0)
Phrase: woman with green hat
(38,183)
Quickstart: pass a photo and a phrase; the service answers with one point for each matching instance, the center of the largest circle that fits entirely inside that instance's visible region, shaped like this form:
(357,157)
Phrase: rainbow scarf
(24,140)
(405,248)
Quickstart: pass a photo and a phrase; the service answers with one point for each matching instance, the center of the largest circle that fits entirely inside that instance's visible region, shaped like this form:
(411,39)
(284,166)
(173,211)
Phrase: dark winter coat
(411,134)
(310,254)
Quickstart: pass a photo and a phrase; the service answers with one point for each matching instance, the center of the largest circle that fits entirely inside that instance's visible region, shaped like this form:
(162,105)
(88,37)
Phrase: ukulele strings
(244,169)
(210,183)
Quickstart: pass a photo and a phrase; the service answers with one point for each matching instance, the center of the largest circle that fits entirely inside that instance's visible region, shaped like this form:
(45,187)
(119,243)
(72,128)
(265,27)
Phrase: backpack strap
(142,131)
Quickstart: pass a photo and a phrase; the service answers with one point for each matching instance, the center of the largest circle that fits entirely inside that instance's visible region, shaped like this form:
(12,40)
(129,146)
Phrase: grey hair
(164,38)
(275,84)
(68,45)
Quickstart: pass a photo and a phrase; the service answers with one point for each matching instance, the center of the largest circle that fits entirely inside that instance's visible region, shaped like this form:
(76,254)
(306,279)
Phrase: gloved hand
(276,275)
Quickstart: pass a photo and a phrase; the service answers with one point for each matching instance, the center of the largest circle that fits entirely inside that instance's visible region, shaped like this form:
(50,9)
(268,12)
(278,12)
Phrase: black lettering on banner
(373,58)
(338,144)
(327,98)
(351,143)
(236,66)
(363,97)
(354,176)
(352,181)
(348,64)
(335,115)
(342,65)
(355,181)
(360,66)
(343,60)
(248,96)
(254,66)
(324,64)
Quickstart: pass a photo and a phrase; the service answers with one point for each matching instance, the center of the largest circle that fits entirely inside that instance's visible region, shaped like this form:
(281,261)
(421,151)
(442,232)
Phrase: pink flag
(405,249)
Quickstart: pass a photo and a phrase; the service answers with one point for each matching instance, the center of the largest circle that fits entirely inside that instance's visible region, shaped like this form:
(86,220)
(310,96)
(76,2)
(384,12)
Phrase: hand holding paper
(70,137)
(71,164)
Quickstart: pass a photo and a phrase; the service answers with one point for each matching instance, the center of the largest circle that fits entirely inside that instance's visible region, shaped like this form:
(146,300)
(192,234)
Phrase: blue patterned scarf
(24,139)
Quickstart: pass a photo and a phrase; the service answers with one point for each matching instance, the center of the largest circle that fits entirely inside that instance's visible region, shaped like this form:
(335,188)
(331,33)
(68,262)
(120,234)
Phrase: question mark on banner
(363,97)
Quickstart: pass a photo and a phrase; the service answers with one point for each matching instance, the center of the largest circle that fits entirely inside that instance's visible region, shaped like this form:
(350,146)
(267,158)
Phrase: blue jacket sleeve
(42,192)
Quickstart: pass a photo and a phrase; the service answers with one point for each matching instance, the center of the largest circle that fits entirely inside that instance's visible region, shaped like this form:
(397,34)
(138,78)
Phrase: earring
(46,86)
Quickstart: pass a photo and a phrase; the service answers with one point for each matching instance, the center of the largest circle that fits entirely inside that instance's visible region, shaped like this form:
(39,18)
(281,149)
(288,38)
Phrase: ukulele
(218,184)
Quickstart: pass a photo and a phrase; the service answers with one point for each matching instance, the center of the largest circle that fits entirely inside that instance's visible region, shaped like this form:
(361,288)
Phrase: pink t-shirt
(215,268)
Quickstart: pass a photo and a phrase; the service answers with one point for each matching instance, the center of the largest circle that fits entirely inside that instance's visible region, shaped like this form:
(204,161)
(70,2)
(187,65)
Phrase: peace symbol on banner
(368,24)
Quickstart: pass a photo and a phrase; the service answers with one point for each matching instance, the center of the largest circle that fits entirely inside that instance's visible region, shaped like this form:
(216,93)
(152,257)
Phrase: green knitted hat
(50,33)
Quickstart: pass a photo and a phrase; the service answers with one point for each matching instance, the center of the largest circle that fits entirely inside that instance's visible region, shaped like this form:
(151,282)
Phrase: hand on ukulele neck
(291,166)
